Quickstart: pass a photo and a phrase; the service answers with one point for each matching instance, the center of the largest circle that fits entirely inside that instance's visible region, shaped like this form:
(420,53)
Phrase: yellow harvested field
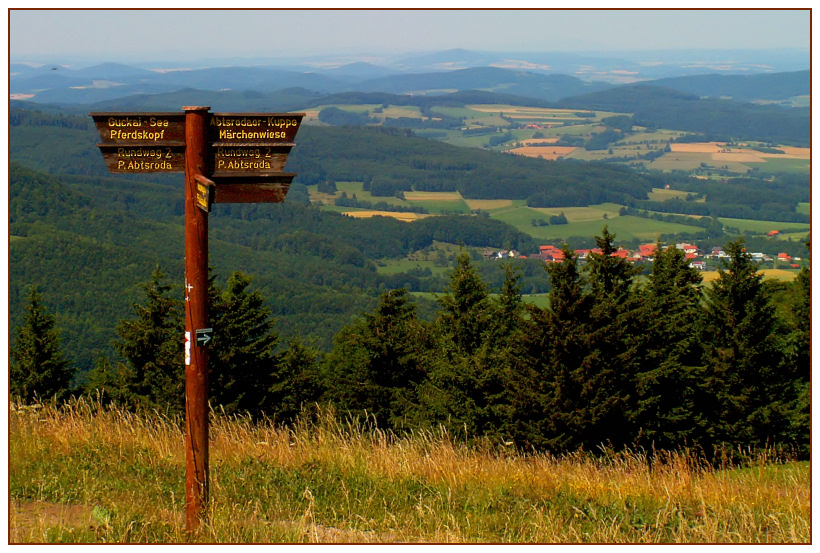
(431,196)
(791,153)
(545,152)
(719,150)
(488,204)
(797,152)
(776,274)
(698,147)
(395,214)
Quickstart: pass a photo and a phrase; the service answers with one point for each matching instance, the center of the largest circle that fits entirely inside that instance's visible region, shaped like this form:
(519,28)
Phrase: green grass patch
(760,227)
(783,165)
(663,194)
(588,221)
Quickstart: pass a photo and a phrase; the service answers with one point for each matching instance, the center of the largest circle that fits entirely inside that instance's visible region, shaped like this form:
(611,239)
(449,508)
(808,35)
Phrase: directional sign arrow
(203,336)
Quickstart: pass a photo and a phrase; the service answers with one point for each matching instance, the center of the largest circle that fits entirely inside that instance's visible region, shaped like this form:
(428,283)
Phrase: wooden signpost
(226,158)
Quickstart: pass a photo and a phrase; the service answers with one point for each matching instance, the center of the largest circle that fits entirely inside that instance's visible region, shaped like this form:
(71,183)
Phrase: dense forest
(654,106)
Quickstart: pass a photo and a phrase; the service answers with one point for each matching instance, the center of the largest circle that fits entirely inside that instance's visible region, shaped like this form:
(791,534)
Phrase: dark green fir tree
(39,369)
(151,343)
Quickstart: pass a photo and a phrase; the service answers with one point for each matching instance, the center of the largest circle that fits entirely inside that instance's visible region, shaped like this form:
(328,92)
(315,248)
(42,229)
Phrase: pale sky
(57,36)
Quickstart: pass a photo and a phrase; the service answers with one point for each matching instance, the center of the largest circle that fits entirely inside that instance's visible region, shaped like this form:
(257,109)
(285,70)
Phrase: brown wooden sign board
(253,127)
(144,158)
(249,159)
(154,129)
(270,188)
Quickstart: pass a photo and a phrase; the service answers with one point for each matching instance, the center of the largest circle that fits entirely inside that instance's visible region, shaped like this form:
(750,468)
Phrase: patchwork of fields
(544,133)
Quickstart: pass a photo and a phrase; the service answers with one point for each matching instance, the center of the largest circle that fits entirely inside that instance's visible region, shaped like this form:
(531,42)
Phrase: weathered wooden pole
(196,319)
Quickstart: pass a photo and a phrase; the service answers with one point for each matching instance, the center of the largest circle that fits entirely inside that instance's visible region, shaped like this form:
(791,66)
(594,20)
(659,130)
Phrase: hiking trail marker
(226,158)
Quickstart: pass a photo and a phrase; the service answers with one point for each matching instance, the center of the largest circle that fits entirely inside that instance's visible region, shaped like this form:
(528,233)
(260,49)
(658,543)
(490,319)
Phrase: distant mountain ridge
(543,76)
(742,88)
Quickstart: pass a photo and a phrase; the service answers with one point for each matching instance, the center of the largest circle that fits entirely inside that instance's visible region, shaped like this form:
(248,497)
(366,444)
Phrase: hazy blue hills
(543,76)
(724,119)
(743,88)
(514,82)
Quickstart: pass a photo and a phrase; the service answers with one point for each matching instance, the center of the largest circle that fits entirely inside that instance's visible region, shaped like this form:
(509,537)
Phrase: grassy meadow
(83,473)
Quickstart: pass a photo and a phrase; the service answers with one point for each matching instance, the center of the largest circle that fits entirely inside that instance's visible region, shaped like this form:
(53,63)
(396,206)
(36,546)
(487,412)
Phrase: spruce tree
(152,345)
(559,345)
(746,388)
(377,363)
(465,309)
(469,386)
(615,340)
(553,409)
(242,357)
(296,383)
(669,384)
(497,364)
(796,360)
(39,369)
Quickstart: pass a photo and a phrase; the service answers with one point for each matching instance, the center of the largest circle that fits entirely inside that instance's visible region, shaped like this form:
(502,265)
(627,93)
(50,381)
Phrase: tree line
(657,363)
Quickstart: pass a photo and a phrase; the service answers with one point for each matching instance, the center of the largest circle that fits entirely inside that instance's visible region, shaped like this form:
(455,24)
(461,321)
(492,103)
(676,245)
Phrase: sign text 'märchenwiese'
(249,127)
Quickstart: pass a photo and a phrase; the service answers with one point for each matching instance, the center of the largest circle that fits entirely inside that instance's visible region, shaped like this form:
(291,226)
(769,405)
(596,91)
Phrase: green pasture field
(441,206)
(783,165)
(663,194)
(588,221)
(804,207)
(351,188)
(393,266)
(760,227)
(793,236)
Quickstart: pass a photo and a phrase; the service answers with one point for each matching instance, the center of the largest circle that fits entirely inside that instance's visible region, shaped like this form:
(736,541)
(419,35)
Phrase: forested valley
(302,317)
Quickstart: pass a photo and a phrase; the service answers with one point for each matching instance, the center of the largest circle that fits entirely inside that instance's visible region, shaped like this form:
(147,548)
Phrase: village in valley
(699,259)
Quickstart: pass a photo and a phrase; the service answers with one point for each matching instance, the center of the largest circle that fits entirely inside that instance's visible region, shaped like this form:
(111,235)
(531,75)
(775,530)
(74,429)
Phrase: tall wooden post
(196,318)
(138,142)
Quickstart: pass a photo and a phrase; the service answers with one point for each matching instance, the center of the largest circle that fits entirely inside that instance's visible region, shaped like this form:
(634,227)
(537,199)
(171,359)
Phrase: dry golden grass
(85,473)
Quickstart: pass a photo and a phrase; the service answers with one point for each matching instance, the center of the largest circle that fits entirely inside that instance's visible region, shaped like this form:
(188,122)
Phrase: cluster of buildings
(645,252)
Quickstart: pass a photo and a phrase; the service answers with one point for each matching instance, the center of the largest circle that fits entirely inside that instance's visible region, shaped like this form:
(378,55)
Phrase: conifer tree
(615,340)
(497,364)
(296,383)
(796,360)
(747,390)
(152,345)
(469,389)
(39,369)
(552,412)
(243,354)
(669,384)
(465,308)
(377,362)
